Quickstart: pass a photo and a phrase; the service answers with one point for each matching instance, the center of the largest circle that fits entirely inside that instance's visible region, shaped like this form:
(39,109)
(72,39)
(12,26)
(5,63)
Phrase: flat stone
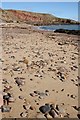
(11,99)
(60,109)
(53,114)
(42,94)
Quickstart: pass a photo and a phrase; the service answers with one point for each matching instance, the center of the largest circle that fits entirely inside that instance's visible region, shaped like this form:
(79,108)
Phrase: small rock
(5,109)
(53,106)
(31,79)
(68,95)
(6,96)
(32,94)
(67,115)
(53,114)
(41,97)
(20,89)
(19,81)
(27,106)
(73,96)
(11,99)
(62,90)
(24,114)
(45,109)
(16,69)
(7,88)
(46,90)
(21,97)
(31,108)
(60,109)
(37,103)
(76,108)
(47,94)
(42,94)
(36,92)
(78,115)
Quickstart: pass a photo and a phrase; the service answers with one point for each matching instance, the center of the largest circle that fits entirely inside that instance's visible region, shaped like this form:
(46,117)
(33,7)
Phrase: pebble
(68,95)
(32,94)
(27,106)
(17,69)
(37,103)
(73,96)
(62,90)
(53,114)
(5,109)
(47,94)
(11,99)
(53,106)
(4,81)
(42,94)
(60,75)
(76,108)
(19,81)
(6,96)
(32,108)
(60,109)
(7,88)
(41,97)
(36,92)
(67,115)
(78,115)
(21,97)
(31,79)
(24,114)
(45,109)
(46,90)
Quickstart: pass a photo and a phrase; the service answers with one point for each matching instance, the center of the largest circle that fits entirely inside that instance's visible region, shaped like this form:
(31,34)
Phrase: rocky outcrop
(32,18)
(74,32)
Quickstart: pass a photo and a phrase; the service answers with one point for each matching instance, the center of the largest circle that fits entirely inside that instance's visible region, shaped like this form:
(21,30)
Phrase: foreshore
(38,67)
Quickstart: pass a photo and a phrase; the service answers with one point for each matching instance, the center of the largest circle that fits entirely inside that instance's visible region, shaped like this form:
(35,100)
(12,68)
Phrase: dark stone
(36,92)
(5,109)
(72,96)
(46,90)
(52,113)
(78,115)
(45,109)
(62,90)
(74,32)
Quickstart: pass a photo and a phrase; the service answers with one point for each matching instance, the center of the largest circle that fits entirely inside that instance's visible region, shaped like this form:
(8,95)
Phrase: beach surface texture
(39,73)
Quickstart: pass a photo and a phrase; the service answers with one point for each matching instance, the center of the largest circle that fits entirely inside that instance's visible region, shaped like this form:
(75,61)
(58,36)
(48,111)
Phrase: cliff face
(32,18)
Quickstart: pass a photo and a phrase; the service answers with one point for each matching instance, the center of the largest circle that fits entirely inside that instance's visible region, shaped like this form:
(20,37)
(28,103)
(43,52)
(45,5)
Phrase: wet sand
(50,74)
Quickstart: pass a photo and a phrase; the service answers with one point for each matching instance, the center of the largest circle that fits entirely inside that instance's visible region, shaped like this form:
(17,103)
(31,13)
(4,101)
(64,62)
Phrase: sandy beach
(38,67)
